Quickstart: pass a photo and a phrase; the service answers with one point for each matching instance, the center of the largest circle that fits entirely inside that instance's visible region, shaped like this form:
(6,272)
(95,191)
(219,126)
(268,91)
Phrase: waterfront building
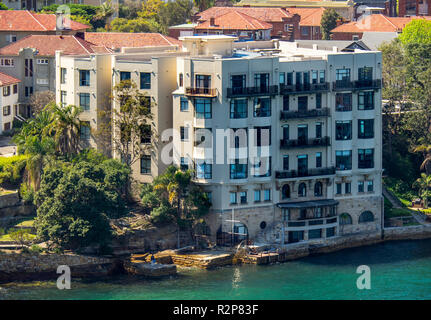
(8,101)
(285,140)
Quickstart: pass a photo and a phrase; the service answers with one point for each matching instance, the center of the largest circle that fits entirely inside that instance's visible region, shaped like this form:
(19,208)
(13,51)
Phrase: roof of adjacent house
(117,40)
(309,16)
(296,3)
(377,23)
(263,14)
(234,20)
(24,20)
(6,79)
(46,45)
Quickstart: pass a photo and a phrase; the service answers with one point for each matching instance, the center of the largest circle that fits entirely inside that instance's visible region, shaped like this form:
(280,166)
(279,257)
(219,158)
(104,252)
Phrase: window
(302,104)
(184,133)
(345,219)
(181,79)
(319,126)
(370,186)
(302,190)
(125,75)
(11,38)
(286,103)
(285,214)
(184,104)
(7,62)
(7,126)
(146,165)
(256,195)
(343,130)
(366,216)
(63,96)
(330,232)
(267,195)
(85,130)
(84,101)
(366,100)
(282,78)
(238,170)
(338,190)
(203,137)
(322,76)
(42,61)
(204,170)
(318,189)
(145,79)
(262,136)
(15,88)
(63,72)
(289,78)
(365,74)
(262,167)
(305,31)
(28,67)
(203,81)
(314,76)
(318,101)
(302,164)
(42,81)
(365,158)
(343,102)
(261,81)
(360,186)
(318,159)
(84,78)
(237,83)
(6,110)
(365,129)
(232,197)
(184,164)
(285,192)
(262,107)
(203,109)
(347,188)
(145,133)
(343,160)
(285,162)
(342,75)
(285,132)
(28,91)
(238,108)
(314,233)
(6,91)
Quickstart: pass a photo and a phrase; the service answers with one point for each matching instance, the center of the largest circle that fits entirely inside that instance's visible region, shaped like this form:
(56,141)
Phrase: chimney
(212,22)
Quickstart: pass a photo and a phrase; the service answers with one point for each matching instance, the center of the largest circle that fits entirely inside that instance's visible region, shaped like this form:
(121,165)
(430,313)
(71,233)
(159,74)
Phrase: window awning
(308,204)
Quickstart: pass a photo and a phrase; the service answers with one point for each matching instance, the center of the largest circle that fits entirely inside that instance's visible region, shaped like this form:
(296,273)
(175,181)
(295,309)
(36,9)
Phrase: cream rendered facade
(9,105)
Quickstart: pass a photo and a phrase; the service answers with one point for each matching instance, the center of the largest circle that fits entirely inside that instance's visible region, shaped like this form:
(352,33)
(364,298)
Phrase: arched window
(318,189)
(285,192)
(302,190)
(345,218)
(366,216)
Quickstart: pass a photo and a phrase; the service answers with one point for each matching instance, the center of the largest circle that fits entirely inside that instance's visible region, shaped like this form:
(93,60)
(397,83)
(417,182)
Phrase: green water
(399,270)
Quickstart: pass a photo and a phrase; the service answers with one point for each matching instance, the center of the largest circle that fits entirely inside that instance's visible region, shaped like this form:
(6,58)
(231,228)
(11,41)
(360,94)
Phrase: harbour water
(399,270)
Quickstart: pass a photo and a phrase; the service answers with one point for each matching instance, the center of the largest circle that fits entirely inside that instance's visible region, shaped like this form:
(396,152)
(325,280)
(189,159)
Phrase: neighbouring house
(8,101)
(17,24)
(36,5)
(386,7)
(414,8)
(371,23)
(32,59)
(340,46)
(309,24)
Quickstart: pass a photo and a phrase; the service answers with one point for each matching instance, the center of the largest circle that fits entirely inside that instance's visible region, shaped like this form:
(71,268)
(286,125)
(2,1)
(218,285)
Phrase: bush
(26,193)
(11,169)
(36,249)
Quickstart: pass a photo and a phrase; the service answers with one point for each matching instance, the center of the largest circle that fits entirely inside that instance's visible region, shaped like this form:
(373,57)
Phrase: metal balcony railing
(303,88)
(201,92)
(324,112)
(252,91)
(314,142)
(304,173)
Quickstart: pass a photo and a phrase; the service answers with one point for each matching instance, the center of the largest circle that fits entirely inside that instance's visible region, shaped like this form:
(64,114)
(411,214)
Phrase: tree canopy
(328,22)
(416,31)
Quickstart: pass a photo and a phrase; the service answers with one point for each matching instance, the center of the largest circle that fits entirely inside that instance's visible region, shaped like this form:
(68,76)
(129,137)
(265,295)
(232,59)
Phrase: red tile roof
(6,79)
(376,23)
(46,45)
(23,20)
(234,20)
(263,14)
(117,40)
(309,16)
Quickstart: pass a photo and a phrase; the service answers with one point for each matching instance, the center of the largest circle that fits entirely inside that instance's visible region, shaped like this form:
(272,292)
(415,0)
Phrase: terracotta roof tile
(309,16)
(117,40)
(263,14)
(377,23)
(234,20)
(46,45)
(6,79)
(23,20)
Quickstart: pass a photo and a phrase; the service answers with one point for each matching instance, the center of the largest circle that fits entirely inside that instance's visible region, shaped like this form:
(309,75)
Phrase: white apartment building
(286,141)
(8,101)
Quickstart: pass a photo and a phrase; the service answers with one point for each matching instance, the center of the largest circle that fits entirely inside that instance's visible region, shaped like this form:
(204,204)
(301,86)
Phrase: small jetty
(152,270)
(204,259)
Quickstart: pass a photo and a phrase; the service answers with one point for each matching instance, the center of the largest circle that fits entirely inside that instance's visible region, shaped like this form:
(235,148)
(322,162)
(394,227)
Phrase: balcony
(305,143)
(313,113)
(201,92)
(342,85)
(304,88)
(304,173)
(368,84)
(251,91)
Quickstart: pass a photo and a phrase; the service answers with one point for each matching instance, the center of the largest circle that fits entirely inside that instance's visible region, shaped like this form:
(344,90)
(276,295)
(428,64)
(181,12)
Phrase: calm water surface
(399,270)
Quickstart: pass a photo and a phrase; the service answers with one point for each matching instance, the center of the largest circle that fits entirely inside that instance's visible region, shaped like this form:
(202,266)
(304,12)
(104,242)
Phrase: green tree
(416,31)
(328,22)
(424,185)
(21,237)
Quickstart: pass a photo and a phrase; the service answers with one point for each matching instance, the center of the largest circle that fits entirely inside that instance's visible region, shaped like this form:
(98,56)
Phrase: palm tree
(66,128)
(105,11)
(424,185)
(425,149)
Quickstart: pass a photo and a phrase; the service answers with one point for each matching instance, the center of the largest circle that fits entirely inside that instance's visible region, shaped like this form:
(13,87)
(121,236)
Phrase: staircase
(396,203)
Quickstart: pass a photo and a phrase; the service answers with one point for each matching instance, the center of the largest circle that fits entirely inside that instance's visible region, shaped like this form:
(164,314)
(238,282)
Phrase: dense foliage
(11,170)
(328,22)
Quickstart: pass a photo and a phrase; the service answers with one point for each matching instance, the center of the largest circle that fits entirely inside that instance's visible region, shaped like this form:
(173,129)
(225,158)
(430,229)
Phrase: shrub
(11,169)
(27,193)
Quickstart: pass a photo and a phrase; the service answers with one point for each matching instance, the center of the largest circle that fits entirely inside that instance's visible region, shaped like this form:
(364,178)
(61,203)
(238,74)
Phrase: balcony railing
(305,173)
(325,112)
(201,92)
(342,85)
(366,164)
(368,84)
(315,142)
(251,91)
(303,87)
(306,223)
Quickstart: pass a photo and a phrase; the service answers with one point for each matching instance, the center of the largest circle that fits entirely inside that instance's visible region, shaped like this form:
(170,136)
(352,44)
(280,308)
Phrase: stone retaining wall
(9,200)
(407,233)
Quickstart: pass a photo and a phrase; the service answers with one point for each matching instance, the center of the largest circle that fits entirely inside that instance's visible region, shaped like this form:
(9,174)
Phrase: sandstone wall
(407,233)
